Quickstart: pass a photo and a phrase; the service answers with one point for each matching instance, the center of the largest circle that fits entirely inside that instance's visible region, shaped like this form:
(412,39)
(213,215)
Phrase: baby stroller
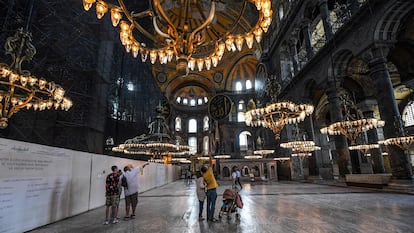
(231,202)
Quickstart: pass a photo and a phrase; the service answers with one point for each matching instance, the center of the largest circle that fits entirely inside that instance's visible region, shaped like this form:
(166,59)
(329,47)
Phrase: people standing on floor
(211,190)
(234,178)
(112,195)
(188,176)
(132,189)
(201,188)
(238,179)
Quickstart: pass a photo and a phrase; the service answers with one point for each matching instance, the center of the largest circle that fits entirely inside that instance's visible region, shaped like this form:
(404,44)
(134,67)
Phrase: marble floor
(277,207)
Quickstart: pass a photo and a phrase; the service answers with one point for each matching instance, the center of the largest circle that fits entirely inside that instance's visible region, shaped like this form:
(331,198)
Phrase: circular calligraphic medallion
(162,77)
(218,77)
(219,106)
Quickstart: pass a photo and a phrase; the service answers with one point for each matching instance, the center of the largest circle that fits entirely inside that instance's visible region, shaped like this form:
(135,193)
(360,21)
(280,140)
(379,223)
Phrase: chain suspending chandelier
(19,89)
(158,143)
(191,33)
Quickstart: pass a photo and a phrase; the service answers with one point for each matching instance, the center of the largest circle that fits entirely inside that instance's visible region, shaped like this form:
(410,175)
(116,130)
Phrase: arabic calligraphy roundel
(219,106)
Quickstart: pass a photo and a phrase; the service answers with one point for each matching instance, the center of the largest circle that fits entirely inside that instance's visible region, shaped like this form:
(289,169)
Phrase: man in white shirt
(131,192)
(238,178)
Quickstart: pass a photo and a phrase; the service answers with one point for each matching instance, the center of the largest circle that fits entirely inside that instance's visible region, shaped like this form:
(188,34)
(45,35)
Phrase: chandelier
(158,143)
(301,148)
(188,32)
(263,153)
(402,142)
(276,115)
(351,129)
(19,89)
(364,148)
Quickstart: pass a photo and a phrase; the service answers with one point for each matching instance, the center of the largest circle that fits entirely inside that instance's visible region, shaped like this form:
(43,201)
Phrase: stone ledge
(368,180)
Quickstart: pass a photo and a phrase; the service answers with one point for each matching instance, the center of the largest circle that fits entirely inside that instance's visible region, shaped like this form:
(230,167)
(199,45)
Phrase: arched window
(239,86)
(408,114)
(192,126)
(318,37)
(192,102)
(177,124)
(281,13)
(206,142)
(243,140)
(178,99)
(248,84)
(241,108)
(192,142)
(206,124)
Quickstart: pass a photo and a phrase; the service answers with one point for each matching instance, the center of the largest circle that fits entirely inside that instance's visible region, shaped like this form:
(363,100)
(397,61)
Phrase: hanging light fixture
(277,114)
(158,143)
(352,128)
(191,33)
(403,142)
(364,148)
(19,88)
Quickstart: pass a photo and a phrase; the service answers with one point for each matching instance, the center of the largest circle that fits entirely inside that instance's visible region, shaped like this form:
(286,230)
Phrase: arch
(387,28)
(242,69)
(340,61)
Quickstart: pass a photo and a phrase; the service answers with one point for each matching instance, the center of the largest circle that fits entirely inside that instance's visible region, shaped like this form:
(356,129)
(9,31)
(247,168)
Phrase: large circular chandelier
(19,89)
(191,33)
(276,115)
(157,143)
(351,129)
(402,142)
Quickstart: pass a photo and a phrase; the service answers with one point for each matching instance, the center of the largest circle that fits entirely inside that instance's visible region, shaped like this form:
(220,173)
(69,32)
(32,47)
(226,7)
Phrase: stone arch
(387,28)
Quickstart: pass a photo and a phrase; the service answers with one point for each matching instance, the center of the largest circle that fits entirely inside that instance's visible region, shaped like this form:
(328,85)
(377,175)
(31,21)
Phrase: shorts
(132,200)
(112,200)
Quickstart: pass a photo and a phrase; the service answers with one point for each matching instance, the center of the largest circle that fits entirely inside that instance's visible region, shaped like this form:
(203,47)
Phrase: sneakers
(106,223)
(115,221)
(126,218)
(132,216)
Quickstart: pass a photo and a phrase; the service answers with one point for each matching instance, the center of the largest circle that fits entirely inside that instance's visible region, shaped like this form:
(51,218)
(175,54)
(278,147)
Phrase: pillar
(294,55)
(324,12)
(341,143)
(307,38)
(388,108)
(367,108)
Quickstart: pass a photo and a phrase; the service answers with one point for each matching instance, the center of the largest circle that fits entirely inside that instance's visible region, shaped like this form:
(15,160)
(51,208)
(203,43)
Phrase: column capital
(375,53)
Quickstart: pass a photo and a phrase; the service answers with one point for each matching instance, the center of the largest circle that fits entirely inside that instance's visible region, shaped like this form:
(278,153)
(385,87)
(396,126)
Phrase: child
(201,194)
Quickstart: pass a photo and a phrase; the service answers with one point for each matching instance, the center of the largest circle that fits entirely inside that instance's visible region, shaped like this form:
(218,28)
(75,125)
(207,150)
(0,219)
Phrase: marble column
(367,108)
(324,12)
(401,168)
(307,38)
(294,55)
(341,143)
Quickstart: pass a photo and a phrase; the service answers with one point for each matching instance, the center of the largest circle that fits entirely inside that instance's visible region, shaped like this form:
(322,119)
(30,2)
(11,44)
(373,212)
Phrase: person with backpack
(130,182)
